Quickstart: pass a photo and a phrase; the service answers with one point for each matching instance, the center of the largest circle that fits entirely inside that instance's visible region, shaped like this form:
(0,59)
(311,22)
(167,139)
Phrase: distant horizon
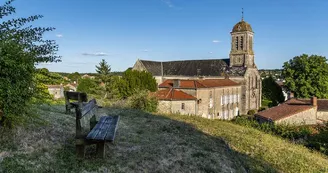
(121,31)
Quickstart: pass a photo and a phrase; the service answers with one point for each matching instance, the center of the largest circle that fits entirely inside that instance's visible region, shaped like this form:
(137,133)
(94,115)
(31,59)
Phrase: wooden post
(101,150)
(68,110)
(80,151)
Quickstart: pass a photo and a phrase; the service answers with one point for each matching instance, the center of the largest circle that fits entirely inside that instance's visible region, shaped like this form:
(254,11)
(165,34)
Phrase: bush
(141,100)
(251,112)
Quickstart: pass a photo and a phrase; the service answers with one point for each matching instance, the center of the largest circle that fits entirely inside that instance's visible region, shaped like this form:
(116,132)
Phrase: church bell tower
(241,54)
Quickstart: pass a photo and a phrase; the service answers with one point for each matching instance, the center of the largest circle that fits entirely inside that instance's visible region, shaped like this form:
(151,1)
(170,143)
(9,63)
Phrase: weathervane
(242,14)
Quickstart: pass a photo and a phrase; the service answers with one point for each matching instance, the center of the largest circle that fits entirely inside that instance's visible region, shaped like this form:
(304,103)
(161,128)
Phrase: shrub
(251,112)
(141,100)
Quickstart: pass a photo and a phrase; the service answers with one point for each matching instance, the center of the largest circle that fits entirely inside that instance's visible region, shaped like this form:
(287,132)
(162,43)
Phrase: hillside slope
(153,143)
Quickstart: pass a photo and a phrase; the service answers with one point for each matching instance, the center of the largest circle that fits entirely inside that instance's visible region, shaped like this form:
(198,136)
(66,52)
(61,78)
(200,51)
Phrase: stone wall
(307,117)
(176,107)
(322,115)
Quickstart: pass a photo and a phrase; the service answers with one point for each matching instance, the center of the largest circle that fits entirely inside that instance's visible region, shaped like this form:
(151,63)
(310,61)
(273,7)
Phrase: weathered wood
(105,129)
(101,149)
(80,97)
(80,151)
(89,106)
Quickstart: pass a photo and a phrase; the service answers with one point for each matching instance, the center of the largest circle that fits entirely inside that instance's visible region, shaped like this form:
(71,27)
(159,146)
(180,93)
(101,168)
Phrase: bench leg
(101,150)
(80,151)
(68,110)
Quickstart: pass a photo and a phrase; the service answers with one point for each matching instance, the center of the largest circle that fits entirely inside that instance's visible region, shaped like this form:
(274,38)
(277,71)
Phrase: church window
(242,43)
(237,43)
(221,100)
(182,106)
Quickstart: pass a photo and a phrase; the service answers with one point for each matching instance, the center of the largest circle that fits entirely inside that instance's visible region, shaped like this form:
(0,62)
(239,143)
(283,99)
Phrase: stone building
(240,68)
(209,98)
(296,112)
(57,91)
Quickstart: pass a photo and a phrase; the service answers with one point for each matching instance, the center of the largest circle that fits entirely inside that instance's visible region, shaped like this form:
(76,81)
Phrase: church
(212,88)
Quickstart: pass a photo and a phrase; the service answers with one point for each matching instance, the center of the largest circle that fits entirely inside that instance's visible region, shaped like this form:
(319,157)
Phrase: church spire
(242,14)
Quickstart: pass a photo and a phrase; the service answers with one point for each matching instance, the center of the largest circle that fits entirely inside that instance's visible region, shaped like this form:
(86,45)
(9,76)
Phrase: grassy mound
(153,143)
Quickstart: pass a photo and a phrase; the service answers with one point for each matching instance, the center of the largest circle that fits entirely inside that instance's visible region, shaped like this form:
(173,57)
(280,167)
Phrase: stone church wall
(322,115)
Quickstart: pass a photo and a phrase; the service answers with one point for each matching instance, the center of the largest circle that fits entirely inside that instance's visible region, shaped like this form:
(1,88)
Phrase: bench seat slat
(104,130)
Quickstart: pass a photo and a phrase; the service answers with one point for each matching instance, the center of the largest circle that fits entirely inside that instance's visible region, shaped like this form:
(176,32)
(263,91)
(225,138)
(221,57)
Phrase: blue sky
(121,31)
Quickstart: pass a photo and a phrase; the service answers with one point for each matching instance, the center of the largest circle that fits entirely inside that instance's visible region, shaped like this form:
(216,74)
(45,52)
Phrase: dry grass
(153,143)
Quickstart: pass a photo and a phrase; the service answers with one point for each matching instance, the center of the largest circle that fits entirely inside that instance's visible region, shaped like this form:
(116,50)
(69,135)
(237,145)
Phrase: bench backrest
(80,97)
(85,118)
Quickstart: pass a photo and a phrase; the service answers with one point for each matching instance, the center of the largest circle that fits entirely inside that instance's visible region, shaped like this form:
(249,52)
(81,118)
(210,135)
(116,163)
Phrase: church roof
(242,26)
(194,84)
(208,67)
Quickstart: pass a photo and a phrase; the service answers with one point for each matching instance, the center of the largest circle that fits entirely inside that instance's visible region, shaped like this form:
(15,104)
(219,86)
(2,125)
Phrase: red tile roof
(193,84)
(173,94)
(289,108)
(322,103)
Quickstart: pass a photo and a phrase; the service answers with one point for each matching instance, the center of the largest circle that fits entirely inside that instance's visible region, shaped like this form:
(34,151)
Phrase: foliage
(272,92)
(74,76)
(88,86)
(307,76)
(21,47)
(48,78)
(138,80)
(141,100)
(251,112)
(104,76)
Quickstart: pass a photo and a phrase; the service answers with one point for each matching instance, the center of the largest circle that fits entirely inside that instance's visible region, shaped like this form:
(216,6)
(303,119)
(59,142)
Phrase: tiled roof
(289,108)
(193,84)
(322,103)
(173,94)
(209,67)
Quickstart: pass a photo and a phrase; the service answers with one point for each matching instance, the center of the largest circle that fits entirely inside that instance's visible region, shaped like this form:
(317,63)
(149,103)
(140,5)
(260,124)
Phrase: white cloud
(210,52)
(59,35)
(216,41)
(146,50)
(168,3)
(95,54)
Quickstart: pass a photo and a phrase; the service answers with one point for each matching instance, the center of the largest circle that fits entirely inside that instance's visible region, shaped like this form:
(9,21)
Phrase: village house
(87,76)
(71,86)
(296,112)
(209,98)
(56,90)
(240,68)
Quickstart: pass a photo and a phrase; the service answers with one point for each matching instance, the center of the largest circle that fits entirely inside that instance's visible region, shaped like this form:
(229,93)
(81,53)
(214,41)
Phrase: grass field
(153,143)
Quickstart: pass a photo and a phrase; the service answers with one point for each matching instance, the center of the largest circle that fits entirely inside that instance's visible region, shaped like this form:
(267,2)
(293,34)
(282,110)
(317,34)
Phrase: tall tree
(105,76)
(272,91)
(21,47)
(307,76)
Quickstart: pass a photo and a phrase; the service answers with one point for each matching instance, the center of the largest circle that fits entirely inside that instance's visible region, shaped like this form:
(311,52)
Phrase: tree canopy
(272,91)
(104,75)
(307,76)
(21,47)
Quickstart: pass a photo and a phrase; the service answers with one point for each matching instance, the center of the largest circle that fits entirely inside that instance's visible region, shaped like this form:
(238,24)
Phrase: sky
(122,31)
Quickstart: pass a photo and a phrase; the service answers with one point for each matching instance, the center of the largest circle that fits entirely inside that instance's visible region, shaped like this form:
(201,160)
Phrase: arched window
(242,43)
(237,43)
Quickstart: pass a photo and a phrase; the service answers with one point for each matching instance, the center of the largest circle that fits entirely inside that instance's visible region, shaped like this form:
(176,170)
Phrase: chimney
(176,83)
(314,101)
(290,95)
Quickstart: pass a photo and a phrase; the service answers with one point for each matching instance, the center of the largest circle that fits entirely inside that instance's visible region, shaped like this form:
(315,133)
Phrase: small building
(56,90)
(87,76)
(208,98)
(71,86)
(296,112)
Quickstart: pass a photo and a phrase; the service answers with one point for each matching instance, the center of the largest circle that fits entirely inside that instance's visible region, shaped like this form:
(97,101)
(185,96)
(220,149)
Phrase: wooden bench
(89,131)
(80,97)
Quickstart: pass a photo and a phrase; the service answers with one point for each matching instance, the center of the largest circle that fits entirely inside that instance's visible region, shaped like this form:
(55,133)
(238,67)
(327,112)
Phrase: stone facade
(240,67)
(57,91)
(307,117)
(322,115)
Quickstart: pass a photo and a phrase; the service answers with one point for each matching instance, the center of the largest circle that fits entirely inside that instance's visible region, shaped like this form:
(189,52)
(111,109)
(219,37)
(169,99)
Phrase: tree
(21,47)
(307,76)
(104,76)
(272,91)
(48,78)
(87,85)
(74,76)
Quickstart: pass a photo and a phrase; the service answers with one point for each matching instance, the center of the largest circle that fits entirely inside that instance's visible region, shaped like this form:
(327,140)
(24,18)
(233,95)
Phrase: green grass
(153,143)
